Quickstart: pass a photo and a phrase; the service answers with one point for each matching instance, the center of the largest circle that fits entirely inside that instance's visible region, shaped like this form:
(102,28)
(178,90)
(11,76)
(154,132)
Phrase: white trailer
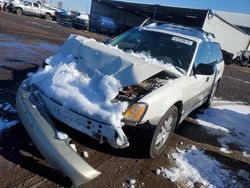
(231,38)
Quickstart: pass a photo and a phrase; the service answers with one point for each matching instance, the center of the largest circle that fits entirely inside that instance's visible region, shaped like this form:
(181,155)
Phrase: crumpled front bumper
(57,152)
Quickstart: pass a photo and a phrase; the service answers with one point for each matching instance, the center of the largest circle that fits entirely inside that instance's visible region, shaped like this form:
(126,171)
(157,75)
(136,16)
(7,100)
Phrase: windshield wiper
(180,70)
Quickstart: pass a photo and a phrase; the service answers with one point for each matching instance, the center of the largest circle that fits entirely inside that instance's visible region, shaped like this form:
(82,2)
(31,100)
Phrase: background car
(65,18)
(106,25)
(81,21)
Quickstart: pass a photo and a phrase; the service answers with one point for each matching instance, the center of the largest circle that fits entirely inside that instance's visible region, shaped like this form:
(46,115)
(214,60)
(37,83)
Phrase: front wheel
(163,132)
(19,11)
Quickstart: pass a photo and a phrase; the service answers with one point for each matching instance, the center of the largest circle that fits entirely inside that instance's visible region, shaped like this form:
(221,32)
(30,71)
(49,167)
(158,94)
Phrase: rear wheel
(211,96)
(163,132)
(19,11)
(47,16)
(58,18)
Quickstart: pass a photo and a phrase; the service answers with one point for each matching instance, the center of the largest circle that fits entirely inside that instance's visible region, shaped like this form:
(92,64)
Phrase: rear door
(28,8)
(36,8)
(198,86)
(216,59)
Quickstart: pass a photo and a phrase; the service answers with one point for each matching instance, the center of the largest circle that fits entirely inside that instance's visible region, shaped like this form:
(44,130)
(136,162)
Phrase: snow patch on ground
(73,146)
(225,150)
(246,154)
(61,135)
(194,167)
(8,108)
(5,123)
(229,121)
(131,183)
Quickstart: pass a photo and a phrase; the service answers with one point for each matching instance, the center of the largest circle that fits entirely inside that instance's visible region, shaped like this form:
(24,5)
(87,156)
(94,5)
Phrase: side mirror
(204,69)
(107,40)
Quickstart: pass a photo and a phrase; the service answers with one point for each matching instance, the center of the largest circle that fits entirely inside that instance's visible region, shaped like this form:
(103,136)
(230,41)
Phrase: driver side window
(36,5)
(28,4)
(202,54)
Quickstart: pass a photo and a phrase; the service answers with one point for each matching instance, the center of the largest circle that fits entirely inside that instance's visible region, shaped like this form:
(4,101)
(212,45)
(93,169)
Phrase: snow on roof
(83,17)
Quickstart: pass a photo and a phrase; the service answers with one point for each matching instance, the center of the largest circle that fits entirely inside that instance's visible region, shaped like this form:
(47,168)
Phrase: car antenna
(146,22)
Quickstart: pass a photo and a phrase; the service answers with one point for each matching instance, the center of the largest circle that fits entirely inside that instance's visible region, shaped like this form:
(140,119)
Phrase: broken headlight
(135,112)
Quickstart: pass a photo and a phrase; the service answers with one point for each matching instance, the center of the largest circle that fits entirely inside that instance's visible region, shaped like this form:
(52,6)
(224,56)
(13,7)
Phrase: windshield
(164,47)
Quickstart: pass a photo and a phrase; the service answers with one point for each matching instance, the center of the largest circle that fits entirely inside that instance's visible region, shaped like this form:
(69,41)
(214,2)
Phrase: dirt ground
(21,164)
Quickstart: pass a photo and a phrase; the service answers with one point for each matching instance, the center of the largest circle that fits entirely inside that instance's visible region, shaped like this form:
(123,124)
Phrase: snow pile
(230,122)
(75,90)
(195,167)
(130,184)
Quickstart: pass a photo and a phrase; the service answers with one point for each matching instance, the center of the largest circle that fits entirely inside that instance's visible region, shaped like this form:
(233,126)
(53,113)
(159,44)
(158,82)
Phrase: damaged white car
(150,78)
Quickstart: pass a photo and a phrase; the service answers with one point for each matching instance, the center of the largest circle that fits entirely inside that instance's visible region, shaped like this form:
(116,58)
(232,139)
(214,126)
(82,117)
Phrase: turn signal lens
(135,112)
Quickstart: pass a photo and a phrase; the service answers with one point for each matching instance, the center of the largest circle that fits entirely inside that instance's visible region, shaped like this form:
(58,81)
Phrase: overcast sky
(227,5)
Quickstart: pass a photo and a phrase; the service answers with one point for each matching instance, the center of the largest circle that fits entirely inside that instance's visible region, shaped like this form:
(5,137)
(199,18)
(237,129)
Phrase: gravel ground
(21,163)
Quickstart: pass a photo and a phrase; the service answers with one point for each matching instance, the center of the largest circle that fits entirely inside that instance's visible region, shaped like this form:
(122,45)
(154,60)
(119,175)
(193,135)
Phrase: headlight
(135,112)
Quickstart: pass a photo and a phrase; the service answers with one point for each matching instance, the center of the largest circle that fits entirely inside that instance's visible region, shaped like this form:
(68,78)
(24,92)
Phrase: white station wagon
(148,79)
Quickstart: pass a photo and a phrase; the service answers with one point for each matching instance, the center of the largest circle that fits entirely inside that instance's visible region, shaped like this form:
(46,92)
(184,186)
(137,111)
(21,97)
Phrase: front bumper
(57,152)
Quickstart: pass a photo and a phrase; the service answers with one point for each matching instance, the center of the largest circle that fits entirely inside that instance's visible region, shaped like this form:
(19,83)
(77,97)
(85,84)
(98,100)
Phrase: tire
(19,11)
(211,96)
(47,16)
(162,133)
(58,19)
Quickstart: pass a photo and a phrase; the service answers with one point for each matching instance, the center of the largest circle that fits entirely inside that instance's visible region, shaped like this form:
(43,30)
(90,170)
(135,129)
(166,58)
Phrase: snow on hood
(128,68)
(86,75)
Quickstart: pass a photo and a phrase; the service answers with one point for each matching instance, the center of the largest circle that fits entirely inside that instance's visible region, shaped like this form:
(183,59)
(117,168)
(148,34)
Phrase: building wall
(120,16)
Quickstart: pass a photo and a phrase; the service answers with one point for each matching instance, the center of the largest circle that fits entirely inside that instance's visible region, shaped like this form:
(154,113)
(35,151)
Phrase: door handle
(207,79)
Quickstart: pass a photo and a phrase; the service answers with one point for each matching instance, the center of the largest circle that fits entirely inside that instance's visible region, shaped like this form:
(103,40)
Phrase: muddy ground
(21,164)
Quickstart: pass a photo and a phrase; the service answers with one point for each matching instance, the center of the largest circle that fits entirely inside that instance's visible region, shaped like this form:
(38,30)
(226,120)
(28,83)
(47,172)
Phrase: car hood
(92,56)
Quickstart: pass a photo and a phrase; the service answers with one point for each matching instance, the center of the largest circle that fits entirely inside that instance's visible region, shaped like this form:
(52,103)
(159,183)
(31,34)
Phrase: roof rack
(160,23)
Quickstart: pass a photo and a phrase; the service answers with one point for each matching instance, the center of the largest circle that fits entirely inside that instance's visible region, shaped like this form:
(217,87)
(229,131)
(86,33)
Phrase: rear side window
(36,5)
(215,54)
(202,54)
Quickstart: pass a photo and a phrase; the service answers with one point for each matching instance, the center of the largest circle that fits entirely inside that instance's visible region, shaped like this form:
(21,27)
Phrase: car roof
(195,34)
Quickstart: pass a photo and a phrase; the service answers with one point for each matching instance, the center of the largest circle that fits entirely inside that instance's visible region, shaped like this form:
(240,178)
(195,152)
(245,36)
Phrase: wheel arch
(16,8)
(179,105)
